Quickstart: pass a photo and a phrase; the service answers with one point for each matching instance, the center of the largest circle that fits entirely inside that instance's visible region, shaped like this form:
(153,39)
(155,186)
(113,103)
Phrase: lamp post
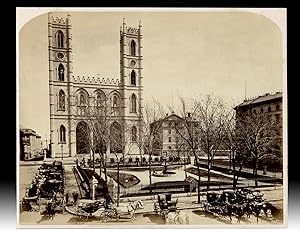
(62,149)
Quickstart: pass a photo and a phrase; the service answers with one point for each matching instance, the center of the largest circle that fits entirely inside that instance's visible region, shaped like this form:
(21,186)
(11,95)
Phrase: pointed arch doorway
(82,138)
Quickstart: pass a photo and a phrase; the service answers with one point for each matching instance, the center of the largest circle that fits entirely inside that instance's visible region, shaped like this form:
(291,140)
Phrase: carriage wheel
(104,216)
(113,214)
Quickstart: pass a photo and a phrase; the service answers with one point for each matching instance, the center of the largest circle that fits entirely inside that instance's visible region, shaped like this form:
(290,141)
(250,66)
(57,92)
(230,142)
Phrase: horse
(229,210)
(239,211)
(248,209)
(50,209)
(129,209)
(258,208)
(178,216)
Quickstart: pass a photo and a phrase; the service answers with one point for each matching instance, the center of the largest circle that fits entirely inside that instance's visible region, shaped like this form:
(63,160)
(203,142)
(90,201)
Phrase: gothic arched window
(61,100)
(61,72)
(60,39)
(62,134)
(114,104)
(134,134)
(98,101)
(133,78)
(82,100)
(133,103)
(82,103)
(132,48)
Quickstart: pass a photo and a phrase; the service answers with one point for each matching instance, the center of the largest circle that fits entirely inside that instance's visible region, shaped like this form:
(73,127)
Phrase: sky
(185,54)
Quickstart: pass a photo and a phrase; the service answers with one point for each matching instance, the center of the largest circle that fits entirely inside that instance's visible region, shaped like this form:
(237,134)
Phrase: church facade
(70,95)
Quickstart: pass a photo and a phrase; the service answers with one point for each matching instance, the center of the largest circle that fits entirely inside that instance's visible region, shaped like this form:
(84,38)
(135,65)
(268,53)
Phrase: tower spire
(124,24)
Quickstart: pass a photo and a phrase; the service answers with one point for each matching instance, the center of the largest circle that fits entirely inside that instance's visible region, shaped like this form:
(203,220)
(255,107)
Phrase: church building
(71,95)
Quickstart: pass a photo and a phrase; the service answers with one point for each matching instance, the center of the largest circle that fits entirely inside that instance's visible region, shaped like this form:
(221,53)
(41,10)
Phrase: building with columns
(70,95)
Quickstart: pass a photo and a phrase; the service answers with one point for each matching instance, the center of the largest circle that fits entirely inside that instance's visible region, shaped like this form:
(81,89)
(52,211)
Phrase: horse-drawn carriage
(168,209)
(103,210)
(165,204)
(238,203)
(30,202)
(48,183)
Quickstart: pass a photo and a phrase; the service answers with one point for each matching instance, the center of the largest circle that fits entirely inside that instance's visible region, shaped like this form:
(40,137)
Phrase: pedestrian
(67,198)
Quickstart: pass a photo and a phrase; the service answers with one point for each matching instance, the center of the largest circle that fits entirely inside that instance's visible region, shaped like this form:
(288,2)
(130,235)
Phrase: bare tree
(120,145)
(93,136)
(211,116)
(187,130)
(232,142)
(150,139)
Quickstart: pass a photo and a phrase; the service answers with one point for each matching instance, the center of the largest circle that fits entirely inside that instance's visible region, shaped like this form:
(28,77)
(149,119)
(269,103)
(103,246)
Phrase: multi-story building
(30,144)
(70,95)
(269,105)
(168,141)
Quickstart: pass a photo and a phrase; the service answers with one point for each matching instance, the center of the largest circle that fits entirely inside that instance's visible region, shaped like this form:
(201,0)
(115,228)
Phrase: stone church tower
(70,96)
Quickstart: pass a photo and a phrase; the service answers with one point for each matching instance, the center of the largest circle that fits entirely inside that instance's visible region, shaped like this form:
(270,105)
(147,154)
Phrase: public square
(139,123)
(187,203)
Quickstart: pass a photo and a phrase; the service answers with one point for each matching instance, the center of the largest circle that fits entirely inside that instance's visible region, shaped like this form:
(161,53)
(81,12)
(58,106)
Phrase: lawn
(126,180)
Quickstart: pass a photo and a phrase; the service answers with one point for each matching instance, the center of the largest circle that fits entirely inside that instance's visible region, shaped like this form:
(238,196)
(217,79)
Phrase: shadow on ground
(212,216)
(154,218)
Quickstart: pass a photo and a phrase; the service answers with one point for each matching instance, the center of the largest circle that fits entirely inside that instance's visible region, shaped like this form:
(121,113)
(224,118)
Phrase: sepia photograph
(151,118)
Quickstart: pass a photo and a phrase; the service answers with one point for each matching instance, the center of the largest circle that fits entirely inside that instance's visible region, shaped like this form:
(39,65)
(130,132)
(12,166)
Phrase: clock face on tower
(60,55)
(132,62)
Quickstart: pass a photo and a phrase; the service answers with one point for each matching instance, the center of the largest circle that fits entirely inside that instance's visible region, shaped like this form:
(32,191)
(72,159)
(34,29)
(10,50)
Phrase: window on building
(170,147)
(133,103)
(261,110)
(60,39)
(277,107)
(115,102)
(61,72)
(82,103)
(132,48)
(133,78)
(170,139)
(61,100)
(254,111)
(62,134)
(134,134)
(269,109)
(98,101)
(170,131)
(170,124)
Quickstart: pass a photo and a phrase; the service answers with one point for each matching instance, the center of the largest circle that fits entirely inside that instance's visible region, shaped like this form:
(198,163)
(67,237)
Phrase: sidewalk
(65,161)
(270,177)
